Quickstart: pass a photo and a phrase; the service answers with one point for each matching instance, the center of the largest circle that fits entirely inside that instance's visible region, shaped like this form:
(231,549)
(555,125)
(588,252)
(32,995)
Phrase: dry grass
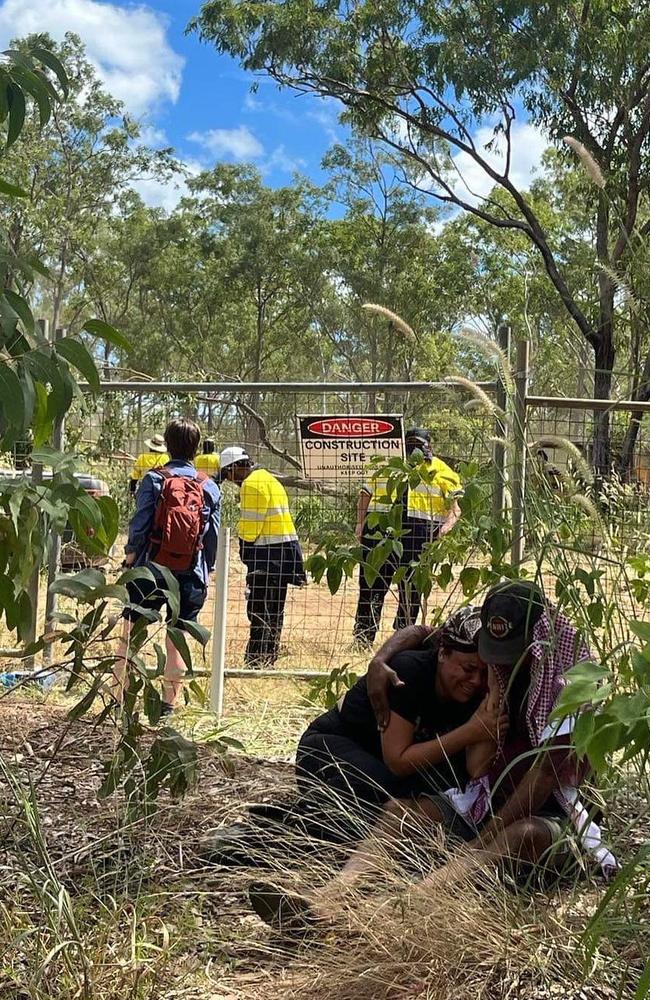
(154,919)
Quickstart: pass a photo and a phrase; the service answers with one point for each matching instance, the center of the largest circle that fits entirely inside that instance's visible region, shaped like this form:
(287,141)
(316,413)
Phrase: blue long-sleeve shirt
(141,524)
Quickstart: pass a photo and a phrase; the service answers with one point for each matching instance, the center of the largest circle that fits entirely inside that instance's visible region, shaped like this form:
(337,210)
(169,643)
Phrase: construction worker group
(176,524)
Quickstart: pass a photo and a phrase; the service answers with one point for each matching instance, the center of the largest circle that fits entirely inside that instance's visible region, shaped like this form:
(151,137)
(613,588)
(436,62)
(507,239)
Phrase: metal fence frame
(512,425)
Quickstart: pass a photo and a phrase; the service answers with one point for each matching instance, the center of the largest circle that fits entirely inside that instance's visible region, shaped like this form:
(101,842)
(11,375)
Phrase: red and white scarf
(556,647)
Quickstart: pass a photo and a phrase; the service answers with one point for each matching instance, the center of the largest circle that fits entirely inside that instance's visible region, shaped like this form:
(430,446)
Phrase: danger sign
(341,447)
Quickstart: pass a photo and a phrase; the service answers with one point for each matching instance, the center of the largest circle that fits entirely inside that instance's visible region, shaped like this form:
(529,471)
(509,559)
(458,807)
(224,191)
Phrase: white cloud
(166,193)
(282,161)
(127,45)
(527,146)
(237,143)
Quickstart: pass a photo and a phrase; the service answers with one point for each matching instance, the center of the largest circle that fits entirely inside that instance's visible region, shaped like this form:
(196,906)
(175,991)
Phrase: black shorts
(149,594)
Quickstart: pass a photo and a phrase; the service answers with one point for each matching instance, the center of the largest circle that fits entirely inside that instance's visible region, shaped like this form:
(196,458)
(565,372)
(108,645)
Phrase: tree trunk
(604,354)
(642,393)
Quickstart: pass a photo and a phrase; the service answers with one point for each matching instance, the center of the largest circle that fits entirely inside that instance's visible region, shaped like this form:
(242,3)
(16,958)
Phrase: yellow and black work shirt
(264,518)
(207,463)
(428,501)
(147,461)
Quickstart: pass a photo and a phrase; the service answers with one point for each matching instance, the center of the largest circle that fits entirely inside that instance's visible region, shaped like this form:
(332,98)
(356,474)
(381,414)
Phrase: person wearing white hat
(269,547)
(156,455)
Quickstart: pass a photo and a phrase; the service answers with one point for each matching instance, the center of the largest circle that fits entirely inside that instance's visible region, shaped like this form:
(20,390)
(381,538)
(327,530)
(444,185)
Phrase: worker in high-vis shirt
(155,456)
(208,460)
(269,547)
(429,510)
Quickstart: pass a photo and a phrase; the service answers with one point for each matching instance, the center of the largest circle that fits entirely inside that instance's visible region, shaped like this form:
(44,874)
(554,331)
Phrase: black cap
(421,433)
(508,616)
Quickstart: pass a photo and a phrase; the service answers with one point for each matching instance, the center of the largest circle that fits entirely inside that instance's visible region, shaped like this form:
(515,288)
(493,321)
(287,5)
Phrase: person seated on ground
(175,525)
(155,455)
(208,461)
(523,790)
(346,767)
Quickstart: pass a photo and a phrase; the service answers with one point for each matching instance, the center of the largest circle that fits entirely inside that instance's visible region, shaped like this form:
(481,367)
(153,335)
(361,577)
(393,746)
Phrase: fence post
(519,453)
(34,583)
(54,558)
(501,399)
(218,665)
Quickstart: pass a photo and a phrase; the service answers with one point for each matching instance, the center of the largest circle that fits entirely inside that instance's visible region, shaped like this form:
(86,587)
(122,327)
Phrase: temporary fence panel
(317,632)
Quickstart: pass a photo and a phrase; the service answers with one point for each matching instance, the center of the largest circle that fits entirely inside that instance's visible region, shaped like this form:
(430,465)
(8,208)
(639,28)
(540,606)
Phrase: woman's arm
(381,677)
(404,757)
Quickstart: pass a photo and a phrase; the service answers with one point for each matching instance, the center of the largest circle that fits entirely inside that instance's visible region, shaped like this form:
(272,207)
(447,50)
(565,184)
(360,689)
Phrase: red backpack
(178,525)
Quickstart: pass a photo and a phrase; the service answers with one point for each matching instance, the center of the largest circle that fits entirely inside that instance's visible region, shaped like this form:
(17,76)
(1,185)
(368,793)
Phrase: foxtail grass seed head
(576,456)
(392,317)
(492,351)
(587,160)
(476,391)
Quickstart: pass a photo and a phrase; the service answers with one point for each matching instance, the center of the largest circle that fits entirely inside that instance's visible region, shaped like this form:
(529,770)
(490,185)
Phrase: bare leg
(387,832)
(116,684)
(174,673)
(526,840)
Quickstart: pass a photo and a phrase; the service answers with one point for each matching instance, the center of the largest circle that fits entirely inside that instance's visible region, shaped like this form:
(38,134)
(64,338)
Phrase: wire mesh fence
(110,431)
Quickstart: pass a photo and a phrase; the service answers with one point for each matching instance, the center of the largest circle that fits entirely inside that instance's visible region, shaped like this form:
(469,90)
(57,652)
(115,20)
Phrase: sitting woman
(347,769)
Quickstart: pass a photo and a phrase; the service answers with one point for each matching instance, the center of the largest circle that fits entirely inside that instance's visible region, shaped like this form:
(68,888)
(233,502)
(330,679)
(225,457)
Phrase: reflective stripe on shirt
(265,518)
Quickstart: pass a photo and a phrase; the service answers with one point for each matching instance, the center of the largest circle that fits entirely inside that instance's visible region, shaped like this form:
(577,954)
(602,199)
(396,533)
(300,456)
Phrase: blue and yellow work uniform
(425,509)
(268,545)
(208,462)
(144,463)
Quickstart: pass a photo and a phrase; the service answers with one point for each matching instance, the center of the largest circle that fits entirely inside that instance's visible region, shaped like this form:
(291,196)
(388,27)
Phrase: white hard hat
(232,455)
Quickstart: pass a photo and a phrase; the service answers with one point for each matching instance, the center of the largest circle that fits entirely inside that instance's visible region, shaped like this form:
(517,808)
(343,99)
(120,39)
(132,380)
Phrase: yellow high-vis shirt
(207,463)
(146,461)
(428,501)
(264,518)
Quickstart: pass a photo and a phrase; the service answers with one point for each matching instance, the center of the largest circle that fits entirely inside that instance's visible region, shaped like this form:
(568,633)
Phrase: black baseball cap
(508,616)
(419,433)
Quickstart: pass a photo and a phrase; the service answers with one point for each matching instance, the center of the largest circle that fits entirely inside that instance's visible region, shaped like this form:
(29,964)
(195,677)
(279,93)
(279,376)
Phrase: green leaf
(152,704)
(16,102)
(75,352)
(104,331)
(85,704)
(641,630)
(136,573)
(110,515)
(50,60)
(171,591)
(470,577)
(12,190)
(21,308)
(178,639)
(198,632)
(12,399)
(80,584)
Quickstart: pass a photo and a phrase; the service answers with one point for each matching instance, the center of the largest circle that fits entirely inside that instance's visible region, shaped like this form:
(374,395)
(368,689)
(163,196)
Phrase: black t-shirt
(416,702)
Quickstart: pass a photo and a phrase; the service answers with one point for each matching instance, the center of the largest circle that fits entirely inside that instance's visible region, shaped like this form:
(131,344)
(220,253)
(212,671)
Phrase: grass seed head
(392,317)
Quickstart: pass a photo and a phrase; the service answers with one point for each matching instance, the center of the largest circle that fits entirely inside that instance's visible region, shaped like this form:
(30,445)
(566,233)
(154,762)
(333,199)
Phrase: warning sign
(341,447)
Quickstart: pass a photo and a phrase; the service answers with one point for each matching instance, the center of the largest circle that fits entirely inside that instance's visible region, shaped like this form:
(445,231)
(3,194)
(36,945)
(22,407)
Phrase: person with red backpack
(176,526)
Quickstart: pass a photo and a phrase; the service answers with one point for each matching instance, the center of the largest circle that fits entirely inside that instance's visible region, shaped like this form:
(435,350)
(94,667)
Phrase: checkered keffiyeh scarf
(556,647)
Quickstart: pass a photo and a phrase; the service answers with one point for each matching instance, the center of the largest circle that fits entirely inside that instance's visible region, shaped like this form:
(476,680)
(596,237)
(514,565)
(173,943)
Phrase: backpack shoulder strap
(163,472)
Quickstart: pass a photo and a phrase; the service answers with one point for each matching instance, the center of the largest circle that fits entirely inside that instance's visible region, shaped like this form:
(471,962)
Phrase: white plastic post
(218,665)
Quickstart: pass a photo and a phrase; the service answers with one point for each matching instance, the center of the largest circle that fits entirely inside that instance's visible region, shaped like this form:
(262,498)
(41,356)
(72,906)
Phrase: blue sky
(187,96)
(184,93)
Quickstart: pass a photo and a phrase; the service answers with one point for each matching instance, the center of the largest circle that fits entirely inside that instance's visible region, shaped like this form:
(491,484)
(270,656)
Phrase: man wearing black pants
(429,511)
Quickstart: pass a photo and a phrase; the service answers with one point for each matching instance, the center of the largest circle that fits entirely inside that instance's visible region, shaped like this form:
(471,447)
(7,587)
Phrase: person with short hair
(191,560)
(155,455)
(269,547)
(430,510)
(208,461)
